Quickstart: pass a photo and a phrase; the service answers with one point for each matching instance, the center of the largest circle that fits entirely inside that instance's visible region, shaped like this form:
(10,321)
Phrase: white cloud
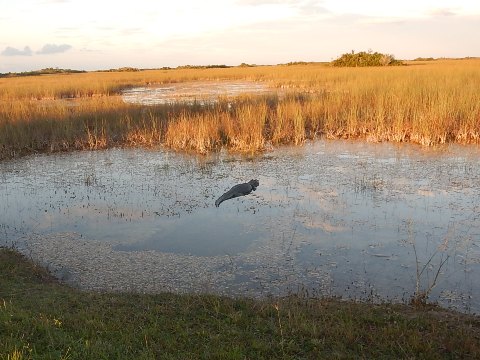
(47,49)
(405,8)
(11,51)
(53,49)
(442,12)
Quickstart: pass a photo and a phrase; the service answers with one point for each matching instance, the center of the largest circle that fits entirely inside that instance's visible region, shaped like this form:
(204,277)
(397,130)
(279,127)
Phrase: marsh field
(369,180)
(427,103)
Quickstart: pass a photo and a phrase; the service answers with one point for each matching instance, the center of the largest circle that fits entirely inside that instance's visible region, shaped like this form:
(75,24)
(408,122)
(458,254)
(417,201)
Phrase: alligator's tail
(222,199)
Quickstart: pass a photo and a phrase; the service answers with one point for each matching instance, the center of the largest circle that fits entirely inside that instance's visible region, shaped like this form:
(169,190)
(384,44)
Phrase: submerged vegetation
(428,103)
(43,319)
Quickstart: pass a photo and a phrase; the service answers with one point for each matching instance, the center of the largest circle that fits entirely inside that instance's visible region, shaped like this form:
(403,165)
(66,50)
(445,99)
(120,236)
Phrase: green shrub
(366,59)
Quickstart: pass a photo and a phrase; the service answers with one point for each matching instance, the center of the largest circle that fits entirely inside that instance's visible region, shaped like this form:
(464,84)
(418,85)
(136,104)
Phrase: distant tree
(424,59)
(364,58)
(203,67)
(292,63)
(46,71)
(124,69)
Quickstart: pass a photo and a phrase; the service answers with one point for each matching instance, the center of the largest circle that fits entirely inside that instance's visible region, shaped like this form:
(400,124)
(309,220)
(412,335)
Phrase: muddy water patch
(337,218)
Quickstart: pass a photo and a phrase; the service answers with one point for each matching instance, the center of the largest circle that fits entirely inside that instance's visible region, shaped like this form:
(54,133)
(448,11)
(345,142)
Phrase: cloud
(11,51)
(266,2)
(305,6)
(442,12)
(45,50)
(55,2)
(130,31)
(67,30)
(53,49)
(313,8)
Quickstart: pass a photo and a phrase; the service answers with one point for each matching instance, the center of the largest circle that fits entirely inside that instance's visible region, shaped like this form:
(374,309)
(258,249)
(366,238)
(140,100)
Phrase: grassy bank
(427,103)
(42,319)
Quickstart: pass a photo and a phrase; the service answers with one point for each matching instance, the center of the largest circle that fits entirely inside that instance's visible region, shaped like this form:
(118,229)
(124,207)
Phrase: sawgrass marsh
(428,103)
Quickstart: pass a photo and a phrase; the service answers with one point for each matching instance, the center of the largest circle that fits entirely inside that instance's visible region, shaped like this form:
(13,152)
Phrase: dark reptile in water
(238,190)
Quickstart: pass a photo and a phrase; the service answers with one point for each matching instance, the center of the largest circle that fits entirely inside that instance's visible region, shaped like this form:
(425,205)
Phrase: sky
(95,34)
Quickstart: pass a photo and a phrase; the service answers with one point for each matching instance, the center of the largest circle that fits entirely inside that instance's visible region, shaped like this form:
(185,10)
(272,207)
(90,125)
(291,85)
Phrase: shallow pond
(207,92)
(353,219)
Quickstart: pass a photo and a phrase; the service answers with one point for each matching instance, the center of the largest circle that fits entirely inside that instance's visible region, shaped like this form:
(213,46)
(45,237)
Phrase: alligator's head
(254,184)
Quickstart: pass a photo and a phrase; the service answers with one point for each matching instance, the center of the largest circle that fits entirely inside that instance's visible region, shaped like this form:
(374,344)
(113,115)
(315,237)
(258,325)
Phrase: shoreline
(92,325)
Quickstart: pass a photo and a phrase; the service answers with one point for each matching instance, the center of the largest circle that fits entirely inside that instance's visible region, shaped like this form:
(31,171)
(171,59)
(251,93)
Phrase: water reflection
(338,218)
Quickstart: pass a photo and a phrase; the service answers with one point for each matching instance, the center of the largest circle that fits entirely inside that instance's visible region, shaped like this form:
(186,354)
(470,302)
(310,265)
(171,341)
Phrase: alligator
(238,190)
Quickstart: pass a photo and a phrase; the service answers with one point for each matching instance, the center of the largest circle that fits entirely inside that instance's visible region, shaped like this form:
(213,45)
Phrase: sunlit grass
(427,103)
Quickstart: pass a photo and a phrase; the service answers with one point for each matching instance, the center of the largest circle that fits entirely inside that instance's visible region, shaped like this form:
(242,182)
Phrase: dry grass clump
(240,127)
(245,130)
(44,126)
(287,123)
(426,103)
(198,132)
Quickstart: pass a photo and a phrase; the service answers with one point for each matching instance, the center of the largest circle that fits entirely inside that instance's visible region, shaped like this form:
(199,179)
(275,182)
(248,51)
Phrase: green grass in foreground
(43,319)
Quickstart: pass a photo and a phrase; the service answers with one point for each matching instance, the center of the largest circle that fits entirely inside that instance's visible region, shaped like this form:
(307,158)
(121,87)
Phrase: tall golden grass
(427,103)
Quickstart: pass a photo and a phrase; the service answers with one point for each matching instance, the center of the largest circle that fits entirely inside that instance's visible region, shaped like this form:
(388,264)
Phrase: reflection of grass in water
(428,272)
(430,104)
(89,179)
(368,183)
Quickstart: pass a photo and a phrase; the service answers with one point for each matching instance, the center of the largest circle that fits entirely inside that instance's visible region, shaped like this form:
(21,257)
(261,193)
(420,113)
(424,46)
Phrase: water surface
(198,92)
(332,218)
